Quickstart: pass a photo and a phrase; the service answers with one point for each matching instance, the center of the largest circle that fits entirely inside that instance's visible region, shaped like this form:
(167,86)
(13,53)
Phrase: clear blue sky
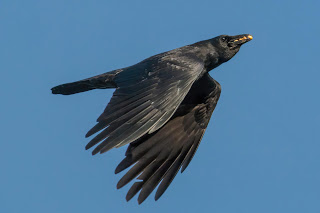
(261,149)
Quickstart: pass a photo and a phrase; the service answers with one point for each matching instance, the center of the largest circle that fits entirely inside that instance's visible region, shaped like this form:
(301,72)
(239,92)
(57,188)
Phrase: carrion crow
(161,107)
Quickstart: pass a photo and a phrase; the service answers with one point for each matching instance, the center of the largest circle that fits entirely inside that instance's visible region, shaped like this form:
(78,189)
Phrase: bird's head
(228,46)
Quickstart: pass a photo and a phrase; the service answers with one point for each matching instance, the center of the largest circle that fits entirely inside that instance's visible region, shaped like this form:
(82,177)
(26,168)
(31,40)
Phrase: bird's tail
(102,81)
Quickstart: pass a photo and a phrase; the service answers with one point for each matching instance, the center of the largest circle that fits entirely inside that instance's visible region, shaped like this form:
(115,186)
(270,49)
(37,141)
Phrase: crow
(161,107)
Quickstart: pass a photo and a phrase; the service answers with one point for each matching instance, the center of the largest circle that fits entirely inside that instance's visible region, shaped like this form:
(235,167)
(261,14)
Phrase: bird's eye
(223,39)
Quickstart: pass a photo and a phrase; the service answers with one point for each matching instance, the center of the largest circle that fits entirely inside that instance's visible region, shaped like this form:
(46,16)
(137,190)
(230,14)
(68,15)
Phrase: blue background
(261,149)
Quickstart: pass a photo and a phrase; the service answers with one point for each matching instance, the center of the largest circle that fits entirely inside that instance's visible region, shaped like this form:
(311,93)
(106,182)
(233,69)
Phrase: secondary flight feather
(161,107)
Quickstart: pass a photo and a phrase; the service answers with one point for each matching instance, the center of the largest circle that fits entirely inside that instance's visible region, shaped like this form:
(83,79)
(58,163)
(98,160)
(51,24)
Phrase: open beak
(238,40)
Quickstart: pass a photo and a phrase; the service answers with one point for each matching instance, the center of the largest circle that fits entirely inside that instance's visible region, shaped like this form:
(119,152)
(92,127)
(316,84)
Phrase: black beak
(239,40)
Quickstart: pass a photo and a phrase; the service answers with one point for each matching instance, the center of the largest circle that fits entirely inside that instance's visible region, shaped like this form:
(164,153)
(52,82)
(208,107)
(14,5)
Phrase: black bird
(161,107)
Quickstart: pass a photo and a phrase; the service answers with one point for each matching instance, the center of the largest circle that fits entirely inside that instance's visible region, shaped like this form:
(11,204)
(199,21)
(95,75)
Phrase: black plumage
(161,108)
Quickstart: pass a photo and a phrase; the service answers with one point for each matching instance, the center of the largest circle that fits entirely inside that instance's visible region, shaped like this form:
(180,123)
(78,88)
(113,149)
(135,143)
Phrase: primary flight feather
(161,107)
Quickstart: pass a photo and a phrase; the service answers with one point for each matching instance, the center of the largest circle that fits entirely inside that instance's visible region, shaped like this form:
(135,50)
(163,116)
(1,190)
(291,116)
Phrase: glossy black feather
(142,105)
(158,157)
(161,108)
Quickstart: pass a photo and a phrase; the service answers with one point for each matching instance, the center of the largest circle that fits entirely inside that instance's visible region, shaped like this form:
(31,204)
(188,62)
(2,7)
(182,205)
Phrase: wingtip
(119,185)
(94,152)
(117,170)
(157,196)
(140,201)
(128,198)
(88,134)
(142,197)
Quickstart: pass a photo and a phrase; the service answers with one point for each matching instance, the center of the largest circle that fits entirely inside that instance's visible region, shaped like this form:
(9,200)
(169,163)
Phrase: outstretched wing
(158,156)
(146,97)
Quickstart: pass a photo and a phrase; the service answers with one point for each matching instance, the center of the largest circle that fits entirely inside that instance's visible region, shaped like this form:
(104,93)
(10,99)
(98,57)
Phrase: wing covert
(147,96)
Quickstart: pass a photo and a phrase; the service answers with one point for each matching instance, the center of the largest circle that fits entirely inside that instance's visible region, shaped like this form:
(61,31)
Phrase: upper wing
(147,96)
(159,156)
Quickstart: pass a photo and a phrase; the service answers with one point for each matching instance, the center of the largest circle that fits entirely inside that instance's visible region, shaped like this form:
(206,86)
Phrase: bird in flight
(161,107)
